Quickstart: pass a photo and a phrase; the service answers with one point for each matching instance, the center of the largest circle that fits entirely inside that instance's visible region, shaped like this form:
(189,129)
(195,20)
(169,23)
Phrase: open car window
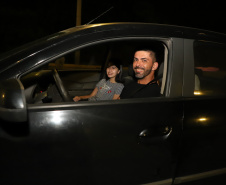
(81,69)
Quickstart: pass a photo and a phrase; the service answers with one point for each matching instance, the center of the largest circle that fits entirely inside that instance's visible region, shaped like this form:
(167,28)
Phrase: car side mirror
(12,101)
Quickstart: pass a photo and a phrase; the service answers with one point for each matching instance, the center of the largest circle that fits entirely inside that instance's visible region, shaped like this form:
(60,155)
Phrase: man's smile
(138,69)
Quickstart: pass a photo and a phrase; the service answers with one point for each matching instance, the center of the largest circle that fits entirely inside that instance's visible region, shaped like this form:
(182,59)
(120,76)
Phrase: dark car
(178,138)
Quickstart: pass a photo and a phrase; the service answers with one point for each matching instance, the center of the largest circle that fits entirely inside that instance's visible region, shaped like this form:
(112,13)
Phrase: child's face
(112,71)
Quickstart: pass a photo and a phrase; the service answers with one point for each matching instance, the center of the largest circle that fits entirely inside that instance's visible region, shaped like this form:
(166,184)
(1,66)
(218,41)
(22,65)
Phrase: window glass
(210,68)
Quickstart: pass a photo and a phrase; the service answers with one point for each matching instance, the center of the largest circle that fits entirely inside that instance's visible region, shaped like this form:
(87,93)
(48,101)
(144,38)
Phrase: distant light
(37,74)
(201,33)
(202,119)
(197,93)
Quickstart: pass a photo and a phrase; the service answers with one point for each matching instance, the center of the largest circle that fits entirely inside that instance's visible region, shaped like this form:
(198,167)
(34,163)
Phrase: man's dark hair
(148,49)
(156,47)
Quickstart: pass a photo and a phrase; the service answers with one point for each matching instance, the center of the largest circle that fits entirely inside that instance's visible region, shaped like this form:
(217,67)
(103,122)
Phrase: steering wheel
(59,84)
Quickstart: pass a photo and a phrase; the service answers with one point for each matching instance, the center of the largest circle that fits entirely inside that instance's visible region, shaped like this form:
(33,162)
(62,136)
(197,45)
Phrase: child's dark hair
(115,62)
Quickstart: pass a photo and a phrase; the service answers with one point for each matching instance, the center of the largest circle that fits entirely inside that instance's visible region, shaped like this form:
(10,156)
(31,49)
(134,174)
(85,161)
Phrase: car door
(130,141)
(203,151)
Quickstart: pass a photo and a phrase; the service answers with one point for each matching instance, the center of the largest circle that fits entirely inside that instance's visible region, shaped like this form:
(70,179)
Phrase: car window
(81,69)
(210,68)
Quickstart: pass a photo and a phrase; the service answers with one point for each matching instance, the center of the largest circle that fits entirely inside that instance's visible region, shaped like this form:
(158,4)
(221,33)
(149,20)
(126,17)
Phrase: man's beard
(141,76)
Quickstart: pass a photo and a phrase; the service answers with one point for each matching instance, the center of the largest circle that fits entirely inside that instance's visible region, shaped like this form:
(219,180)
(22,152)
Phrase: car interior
(76,73)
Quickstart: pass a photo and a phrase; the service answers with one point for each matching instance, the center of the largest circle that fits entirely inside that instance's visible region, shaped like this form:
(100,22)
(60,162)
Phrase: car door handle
(155,134)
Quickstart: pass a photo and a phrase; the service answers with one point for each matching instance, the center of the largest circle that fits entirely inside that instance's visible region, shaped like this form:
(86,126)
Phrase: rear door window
(210,68)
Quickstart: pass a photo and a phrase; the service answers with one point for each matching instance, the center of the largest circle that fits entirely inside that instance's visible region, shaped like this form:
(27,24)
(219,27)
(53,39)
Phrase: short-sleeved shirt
(135,90)
(106,90)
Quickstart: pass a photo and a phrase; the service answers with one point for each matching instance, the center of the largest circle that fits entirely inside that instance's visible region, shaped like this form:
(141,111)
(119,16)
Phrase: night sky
(24,21)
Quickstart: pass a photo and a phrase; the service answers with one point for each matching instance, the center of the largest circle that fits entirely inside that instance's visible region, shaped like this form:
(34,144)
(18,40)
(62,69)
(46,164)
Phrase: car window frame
(189,68)
(170,44)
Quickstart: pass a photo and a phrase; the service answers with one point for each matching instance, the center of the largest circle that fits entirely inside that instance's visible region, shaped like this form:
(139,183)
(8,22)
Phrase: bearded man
(144,66)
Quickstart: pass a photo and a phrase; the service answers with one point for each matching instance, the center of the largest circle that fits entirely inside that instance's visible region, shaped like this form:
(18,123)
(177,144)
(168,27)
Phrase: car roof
(115,29)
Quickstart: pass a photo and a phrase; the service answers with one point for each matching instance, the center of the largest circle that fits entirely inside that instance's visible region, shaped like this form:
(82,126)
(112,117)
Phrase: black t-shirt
(135,90)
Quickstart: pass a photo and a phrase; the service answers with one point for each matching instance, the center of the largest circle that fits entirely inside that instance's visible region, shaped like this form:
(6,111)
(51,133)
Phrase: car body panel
(177,138)
(204,120)
(107,151)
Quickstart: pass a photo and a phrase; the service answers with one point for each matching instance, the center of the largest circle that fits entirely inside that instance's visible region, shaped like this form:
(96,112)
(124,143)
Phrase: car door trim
(189,178)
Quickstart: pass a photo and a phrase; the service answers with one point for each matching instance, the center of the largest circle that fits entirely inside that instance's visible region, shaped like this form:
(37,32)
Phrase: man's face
(142,64)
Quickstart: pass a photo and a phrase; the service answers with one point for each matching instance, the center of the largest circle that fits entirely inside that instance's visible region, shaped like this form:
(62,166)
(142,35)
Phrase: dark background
(24,21)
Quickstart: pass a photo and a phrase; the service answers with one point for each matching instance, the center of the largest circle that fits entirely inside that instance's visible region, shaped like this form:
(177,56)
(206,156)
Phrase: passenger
(109,88)
(144,66)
